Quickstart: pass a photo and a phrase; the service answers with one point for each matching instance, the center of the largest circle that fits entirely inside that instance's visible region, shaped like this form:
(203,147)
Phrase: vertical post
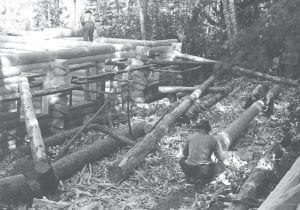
(45,173)
(101,85)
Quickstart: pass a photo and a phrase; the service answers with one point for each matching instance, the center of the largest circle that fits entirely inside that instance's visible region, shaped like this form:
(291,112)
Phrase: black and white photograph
(149,105)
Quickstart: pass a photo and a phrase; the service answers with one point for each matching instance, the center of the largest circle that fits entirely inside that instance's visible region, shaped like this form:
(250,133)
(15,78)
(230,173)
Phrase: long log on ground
(266,76)
(136,42)
(123,166)
(60,138)
(41,163)
(70,164)
(194,110)
(233,131)
(14,189)
(176,89)
(104,129)
(259,179)
(286,195)
(167,63)
(195,58)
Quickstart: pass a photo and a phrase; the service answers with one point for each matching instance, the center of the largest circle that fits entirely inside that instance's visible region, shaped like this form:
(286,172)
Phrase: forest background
(250,33)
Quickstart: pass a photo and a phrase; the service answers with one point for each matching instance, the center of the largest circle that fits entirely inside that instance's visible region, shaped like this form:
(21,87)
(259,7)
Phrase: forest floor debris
(159,183)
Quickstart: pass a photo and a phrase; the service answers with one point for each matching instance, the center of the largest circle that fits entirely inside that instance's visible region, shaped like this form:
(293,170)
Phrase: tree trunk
(136,42)
(68,165)
(123,166)
(176,89)
(194,110)
(232,132)
(143,9)
(266,76)
(41,163)
(60,138)
(195,58)
(230,17)
(287,193)
(259,179)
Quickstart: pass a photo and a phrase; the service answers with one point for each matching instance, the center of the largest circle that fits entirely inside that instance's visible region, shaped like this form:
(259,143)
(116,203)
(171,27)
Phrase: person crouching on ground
(197,164)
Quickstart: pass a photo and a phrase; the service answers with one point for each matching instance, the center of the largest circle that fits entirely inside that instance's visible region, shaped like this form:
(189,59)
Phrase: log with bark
(286,195)
(176,89)
(259,179)
(123,166)
(232,132)
(136,42)
(71,163)
(167,63)
(46,176)
(266,76)
(194,110)
(60,138)
(195,58)
(65,167)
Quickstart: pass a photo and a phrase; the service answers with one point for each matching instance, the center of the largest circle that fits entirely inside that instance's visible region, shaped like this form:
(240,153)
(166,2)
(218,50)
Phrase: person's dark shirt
(200,147)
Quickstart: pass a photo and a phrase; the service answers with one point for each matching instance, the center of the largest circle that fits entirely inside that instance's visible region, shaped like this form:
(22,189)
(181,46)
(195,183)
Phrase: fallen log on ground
(176,89)
(123,166)
(69,164)
(60,138)
(167,63)
(232,132)
(194,110)
(259,179)
(266,76)
(46,177)
(86,124)
(104,129)
(286,195)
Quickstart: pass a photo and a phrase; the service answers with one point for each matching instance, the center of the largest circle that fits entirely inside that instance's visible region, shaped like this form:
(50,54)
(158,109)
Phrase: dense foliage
(262,25)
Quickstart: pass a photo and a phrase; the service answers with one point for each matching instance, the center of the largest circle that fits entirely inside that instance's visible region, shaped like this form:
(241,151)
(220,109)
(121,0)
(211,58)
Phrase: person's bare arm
(218,151)
(185,150)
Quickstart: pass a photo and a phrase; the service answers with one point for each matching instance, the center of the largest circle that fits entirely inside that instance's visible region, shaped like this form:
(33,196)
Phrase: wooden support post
(42,165)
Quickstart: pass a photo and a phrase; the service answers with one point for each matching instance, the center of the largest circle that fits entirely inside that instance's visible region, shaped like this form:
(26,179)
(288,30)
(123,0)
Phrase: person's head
(203,125)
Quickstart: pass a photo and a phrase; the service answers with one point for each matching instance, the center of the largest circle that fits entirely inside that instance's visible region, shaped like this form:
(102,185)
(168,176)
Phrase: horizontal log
(167,63)
(12,51)
(102,57)
(195,58)
(266,76)
(176,89)
(136,42)
(43,92)
(70,164)
(26,58)
(46,33)
(153,51)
